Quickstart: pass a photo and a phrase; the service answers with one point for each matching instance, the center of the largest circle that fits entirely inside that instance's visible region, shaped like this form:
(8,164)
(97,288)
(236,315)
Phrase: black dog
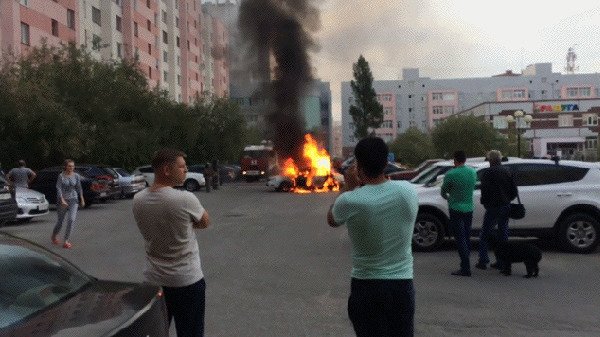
(508,253)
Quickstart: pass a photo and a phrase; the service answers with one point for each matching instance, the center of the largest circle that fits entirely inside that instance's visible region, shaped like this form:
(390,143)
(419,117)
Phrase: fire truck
(259,161)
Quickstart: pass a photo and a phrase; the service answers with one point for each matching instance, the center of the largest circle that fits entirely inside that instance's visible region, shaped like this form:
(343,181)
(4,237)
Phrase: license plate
(103,194)
(4,196)
(42,207)
(252,173)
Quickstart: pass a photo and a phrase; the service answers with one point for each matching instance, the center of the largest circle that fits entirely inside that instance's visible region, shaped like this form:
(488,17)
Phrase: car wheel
(579,232)
(191,185)
(428,234)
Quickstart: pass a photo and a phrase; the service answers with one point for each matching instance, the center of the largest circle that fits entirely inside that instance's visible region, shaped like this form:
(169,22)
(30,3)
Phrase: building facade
(423,103)
(166,37)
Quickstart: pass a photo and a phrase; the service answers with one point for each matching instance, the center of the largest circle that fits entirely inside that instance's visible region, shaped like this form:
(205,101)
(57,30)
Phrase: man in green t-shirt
(457,188)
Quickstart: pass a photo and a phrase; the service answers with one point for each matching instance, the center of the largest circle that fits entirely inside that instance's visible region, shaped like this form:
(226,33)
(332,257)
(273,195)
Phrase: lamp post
(517,117)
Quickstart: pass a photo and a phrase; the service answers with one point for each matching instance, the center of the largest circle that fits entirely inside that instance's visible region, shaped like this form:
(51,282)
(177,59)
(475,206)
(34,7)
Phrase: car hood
(101,308)
(23,192)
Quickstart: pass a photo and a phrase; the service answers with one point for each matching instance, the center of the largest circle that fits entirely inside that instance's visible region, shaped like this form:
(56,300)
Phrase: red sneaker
(67,245)
(55,240)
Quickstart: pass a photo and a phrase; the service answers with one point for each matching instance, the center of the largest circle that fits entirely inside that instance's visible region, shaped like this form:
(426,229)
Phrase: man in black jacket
(498,189)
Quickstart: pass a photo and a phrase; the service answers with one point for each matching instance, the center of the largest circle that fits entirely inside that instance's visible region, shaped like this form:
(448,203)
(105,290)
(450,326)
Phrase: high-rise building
(166,37)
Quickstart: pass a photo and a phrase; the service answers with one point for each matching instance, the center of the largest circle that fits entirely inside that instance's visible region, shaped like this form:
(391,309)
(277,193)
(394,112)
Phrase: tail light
(97,187)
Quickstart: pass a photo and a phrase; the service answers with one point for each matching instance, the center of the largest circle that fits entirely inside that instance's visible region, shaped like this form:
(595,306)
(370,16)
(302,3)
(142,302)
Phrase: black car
(8,204)
(226,173)
(94,190)
(42,294)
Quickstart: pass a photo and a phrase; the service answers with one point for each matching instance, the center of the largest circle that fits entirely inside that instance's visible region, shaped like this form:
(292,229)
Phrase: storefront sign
(555,107)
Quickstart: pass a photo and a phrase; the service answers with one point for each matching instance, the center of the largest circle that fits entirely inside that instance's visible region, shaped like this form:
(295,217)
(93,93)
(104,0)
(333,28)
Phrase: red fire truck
(258,161)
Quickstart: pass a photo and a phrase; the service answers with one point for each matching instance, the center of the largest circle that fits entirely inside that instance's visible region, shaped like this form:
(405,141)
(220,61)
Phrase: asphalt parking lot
(274,268)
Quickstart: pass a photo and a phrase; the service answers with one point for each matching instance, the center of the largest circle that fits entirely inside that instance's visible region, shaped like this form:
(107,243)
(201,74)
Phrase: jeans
(186,305)
(380,308)
(460,223)
(71,212)
(493,216)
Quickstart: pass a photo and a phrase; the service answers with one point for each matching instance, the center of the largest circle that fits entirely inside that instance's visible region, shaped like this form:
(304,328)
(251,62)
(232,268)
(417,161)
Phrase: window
(545,174)
(592,143)
(71,18)
(24,33)
(436,96)
(565,120)
(135,28)
(519,94)
(165,37)
(177,42)
(438,110)
(500,122)
(164,16)
(387,111)
(590,119)
(176,18)
(96,42)
(448,110)
(149,72)
(165,75)
(24,2)
(96,16)
(399,124)
(165,56)
(118,23)
(119,50)
(136,54)
(178,60)
(149,25)
(178,79)
(150,48)
(148,3)
(118,3)
(54,27)
(579,92)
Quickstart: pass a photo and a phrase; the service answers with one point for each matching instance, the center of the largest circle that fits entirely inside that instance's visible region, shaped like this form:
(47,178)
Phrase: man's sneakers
(67,245)
(55,240)
(461,272)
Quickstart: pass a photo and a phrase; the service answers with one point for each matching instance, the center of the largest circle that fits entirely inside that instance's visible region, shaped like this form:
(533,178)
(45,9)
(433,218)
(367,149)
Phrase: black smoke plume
(278,34)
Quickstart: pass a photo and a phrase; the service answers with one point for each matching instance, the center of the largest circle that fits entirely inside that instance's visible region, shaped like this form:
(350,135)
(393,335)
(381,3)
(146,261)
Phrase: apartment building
(422,102)
(166,37)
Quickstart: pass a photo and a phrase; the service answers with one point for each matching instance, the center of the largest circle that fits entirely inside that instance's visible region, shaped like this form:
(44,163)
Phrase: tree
(469,133)
(413,147)
(367,112)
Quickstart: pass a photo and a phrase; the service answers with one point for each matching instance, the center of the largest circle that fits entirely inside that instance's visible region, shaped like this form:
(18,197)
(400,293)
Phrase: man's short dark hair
(460,156)
(166,156)
(21,162)
(371,155)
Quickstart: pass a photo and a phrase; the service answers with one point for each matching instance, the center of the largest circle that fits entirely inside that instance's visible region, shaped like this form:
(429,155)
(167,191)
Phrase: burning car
(314,174)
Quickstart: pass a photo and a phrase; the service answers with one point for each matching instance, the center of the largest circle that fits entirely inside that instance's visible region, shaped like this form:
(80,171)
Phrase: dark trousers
(186,305)
(493,216)
(381,308)
(460,223)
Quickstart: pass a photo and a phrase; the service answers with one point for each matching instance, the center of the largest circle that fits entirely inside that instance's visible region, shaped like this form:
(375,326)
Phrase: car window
(33,280)
(45,176)
(146,169)
(544,174)
(429,175)
(123,172)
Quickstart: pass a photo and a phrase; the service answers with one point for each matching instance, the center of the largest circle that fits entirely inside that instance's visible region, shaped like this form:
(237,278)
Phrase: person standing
(457,188)
(380,217)
(21,176)
(69,196)
(167,217)
(498,189)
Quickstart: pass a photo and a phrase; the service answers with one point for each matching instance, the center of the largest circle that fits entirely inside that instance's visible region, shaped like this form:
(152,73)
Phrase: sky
(452,38)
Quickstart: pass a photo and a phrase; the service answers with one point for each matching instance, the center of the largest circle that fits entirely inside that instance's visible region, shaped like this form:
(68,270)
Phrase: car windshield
(122,172)
(430,174)
(33,279)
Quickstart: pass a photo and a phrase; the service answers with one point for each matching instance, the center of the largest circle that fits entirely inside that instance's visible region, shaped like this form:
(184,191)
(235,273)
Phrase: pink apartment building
(219,50)
(165,36)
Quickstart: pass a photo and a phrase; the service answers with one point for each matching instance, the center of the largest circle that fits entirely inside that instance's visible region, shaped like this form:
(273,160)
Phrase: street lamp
(517,117)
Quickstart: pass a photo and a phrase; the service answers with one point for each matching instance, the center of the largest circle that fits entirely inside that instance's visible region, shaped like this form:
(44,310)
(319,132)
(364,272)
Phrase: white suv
(193,180)
(562,201)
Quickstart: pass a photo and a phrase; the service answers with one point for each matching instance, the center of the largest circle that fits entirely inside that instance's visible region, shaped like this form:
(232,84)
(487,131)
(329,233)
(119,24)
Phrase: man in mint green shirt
(457,188)
(380,216)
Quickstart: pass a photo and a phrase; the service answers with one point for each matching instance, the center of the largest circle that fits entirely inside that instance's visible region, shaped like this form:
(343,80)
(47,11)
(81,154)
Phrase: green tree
(412,147)
(469,133)
(366,111)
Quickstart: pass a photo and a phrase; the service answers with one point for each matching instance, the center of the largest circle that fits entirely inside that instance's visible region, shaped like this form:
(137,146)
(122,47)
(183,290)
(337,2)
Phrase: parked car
(31,203)
(8,203)
(409,174)
(226,173)
(561,201)
(94,189)
(42,294)
(193,181)
(130,183)
(102,172)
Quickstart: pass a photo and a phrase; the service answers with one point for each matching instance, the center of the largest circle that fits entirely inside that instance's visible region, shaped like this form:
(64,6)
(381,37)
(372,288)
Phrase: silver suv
(562,200)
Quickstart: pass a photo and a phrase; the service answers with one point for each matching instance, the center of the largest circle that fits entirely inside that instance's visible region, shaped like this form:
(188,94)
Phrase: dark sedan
(94,190)
(42,294)
(8,204)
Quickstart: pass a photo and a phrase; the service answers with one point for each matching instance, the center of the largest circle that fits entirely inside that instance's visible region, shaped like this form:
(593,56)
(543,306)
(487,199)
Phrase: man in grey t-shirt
(21,176)
(166,218)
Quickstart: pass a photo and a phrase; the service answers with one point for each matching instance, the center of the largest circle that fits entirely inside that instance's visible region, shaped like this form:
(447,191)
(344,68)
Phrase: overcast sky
(453,38)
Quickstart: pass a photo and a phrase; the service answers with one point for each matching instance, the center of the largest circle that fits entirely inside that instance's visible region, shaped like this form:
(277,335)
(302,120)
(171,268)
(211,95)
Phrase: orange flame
(317,176)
